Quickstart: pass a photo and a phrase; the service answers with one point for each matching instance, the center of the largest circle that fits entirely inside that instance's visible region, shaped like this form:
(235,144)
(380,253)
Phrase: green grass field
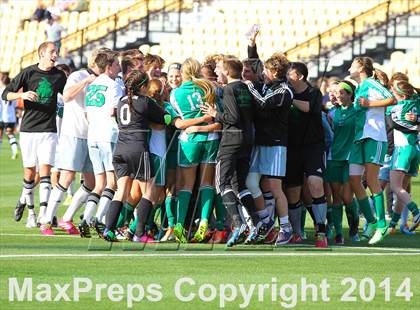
(221,278)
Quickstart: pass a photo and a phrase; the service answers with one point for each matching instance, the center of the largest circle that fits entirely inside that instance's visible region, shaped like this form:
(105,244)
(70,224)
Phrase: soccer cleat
(329,234)
(46,229)
(252,236)
(20,207)
(284,236)
(379,235)
(128,235)
(339,239)
(99,227)
(68,227)
(236,236)
(31,221)
(200,234)
(67,202)
(368,232)
(296,239)
(406,231)
(271,237)
(84,229)
(109,236)
(265,229)
(416,222)
(180,234)
(218,237)
(321,240)
(169,235)
(304,235)
(355,238)
(143,239)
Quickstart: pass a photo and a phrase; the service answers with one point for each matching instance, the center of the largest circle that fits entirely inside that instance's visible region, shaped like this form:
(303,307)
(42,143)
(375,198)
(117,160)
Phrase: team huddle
(226,151)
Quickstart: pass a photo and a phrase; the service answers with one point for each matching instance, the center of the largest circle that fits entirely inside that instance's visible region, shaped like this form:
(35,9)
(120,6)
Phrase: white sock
(404,216)
(90,207)
(70,189)
(104,203)
(28,193)
(54,202)
(79,198)
(284,223)
(13,144)
(264,215)
(44,194)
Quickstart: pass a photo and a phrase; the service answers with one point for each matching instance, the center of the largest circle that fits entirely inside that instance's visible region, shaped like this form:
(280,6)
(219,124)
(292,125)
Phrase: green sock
(220,213)
(303,219)
(133,225)
(170,207)
(380,209)
(206,194)
(394,220)
(413,208)
(365,209)
(125,215)
(330,220)
(337,218)
(161,207)
(353,209)
(183,203)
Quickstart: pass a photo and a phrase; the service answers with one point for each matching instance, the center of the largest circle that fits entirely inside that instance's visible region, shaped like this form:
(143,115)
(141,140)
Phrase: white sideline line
(250,254)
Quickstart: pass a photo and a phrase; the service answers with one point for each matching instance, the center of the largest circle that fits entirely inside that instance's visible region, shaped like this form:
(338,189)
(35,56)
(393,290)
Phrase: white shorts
(100,154)
(38,148)
(74,154)
(269,160)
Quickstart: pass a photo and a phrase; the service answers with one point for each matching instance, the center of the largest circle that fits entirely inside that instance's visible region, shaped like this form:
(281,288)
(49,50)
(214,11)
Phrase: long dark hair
(134,81)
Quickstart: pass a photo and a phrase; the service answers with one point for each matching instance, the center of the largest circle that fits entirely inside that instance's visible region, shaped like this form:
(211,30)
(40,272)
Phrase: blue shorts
(100,154)
(73,154)
(384,171)
(269,160)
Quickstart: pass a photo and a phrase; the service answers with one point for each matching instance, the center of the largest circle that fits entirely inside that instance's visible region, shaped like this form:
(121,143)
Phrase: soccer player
(406,156)
(235,147)
(102,97)
(73,149)
(131,158)
(337,172)
(8,117)
(153,65)
(38,133)
(268,159)
(195,148)
(370,145)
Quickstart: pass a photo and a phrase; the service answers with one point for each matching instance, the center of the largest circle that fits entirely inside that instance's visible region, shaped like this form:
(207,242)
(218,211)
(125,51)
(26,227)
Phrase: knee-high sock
(77,201)
(352,213)
(366,210)
(44,194)
(319,207)
(270,204)
(112,214)
(404,216)
(248,202)
(125,215)
(28,194)
(231,204)
(170,206)
(54,202)
(184,197)
(206,194)
(163,219)
(380,209)
(104,203)
(295,215)
(337,218)
(143,211)
(303,219)
(412,206)
(220,212)
(13,143)
(90,207)
(394,220)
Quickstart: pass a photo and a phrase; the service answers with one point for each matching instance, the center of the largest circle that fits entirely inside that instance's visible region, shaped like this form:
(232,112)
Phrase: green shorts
(195,153)
(368,151)
(406,158)
(159,169)
(337,171)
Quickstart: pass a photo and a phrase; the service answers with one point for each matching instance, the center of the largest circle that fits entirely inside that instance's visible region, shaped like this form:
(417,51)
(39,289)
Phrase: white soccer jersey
(102,98)
(8,111)
(157,144)
(74,122)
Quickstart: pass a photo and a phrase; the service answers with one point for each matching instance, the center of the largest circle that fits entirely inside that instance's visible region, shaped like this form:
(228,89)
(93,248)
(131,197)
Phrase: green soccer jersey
(186,101)
(370,122)
(405,132)
(344,123)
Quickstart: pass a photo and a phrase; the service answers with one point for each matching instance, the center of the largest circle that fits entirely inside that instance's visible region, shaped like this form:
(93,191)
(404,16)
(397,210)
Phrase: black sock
(230,201)
(113,214)
(311,212)
(143,211)
(248,201)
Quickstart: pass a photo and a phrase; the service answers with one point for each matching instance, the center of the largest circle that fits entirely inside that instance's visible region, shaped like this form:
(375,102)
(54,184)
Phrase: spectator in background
(41,13)
(55,29)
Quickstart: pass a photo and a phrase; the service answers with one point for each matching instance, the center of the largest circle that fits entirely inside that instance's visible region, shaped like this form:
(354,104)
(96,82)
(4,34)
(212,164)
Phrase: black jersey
(134,124)
(273,105)
(306,128)
(39,116)
(237,117)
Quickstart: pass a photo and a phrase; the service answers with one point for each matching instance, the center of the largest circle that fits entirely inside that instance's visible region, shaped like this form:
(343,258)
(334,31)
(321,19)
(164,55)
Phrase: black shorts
(7,125)
(308,160)
(135,165)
